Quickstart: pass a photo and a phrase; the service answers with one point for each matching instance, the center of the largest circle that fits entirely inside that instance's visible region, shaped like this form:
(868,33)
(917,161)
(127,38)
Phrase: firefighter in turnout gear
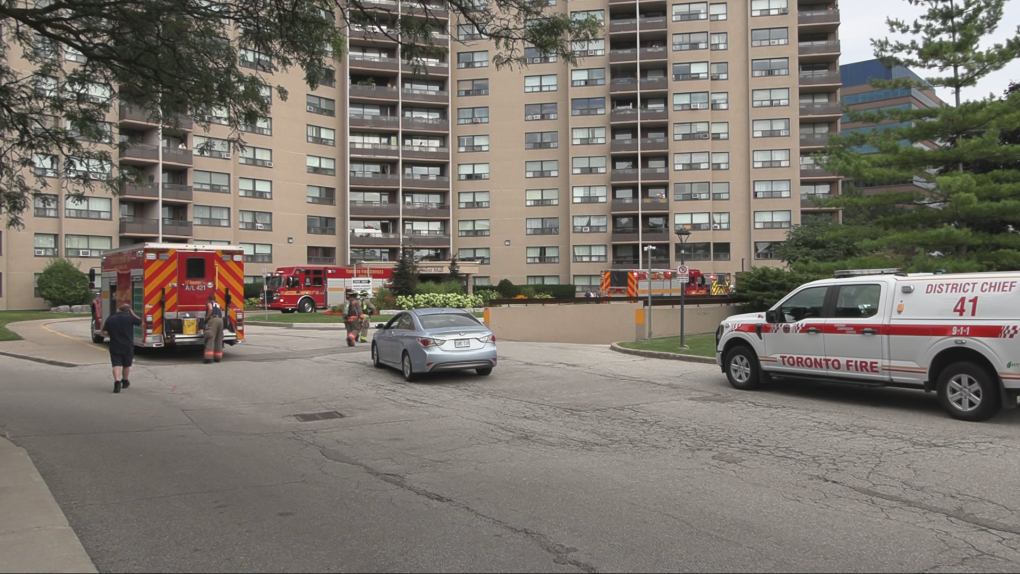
(353,316)
(213,331)
(368,308)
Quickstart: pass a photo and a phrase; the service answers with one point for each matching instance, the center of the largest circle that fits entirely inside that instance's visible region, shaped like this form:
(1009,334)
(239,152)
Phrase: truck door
(794,343)
(855,338)
(194,285)
(138,305)
(318,287)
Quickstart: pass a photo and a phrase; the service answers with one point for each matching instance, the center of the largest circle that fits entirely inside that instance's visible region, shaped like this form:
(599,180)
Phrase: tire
(742,369)
(286,311)
(968,393)
(484,372)
(375,357)
(408,369)
(98,339)
(306,306)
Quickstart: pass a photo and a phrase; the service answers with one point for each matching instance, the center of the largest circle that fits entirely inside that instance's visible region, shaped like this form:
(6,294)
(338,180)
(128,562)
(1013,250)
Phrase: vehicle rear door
(794,344)
(194,285)
(856,340)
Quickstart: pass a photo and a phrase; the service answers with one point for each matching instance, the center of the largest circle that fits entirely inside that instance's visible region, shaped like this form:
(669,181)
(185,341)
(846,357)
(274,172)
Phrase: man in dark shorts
(120,328)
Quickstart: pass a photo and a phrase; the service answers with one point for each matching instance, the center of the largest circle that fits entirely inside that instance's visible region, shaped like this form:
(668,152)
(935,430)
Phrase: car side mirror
(772,316)
(381,326)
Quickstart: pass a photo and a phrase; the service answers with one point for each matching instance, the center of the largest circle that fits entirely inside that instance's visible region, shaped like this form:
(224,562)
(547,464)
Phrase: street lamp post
(683,235)
(649,250)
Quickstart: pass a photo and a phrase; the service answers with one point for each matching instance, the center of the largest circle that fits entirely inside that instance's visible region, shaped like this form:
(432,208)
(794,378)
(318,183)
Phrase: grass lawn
(15,316)
(312,317)
(700,345)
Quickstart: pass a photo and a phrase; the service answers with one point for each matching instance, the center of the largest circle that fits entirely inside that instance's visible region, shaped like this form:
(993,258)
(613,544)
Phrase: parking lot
(567,458)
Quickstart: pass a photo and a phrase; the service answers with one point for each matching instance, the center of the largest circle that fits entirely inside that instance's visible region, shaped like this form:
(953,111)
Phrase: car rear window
(447,320)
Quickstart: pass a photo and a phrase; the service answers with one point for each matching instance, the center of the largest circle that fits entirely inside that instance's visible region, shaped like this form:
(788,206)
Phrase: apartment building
(695,115)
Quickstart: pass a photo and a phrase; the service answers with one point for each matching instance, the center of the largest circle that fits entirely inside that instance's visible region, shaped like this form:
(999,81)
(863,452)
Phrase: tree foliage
(174,58)
(405,274)
(455,274)
(62,283)
(762,287)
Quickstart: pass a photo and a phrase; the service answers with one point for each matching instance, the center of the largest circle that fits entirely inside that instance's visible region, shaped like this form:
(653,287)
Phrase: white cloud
(862,20)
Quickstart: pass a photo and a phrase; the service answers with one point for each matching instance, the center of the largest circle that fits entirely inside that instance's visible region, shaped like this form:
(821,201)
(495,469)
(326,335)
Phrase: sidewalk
(34,534)
(45,345)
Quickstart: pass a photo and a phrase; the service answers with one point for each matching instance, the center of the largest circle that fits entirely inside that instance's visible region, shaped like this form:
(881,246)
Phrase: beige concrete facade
(559,206)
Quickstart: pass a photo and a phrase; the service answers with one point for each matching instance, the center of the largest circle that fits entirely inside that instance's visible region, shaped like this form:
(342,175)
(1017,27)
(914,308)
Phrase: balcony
(654,174)
(374,63)
(818,20)
(427,239)
(374,179)
(627,115)
(372,121)
(178,193)
(374,92)
(427,181)
(631,24)
(373,33)
(128,114)
(377,208)
(128,191)
(633,204)
(363,238)
(427,96)
(652,54)
(426,124)
(830,109)
(810,172)
(426,68)
(648,235)
(821,78)
(425,152)
(813,140)
(810,51)
(623,85)
(621,56)
(374,150)
(321,260)
(426,210)
(148,154)
(179,156)
(625,263)
(815,201)
(659,83)
(387,5)
(144,227)
(429,11)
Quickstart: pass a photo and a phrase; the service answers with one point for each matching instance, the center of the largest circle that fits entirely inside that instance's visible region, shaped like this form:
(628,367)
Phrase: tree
(762,287)
(954,216)
(455,270)
(169,58)
(405,274)
(62,283)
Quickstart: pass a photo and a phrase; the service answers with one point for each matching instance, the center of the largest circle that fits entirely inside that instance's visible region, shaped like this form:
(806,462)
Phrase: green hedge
(508,290)
(253,290)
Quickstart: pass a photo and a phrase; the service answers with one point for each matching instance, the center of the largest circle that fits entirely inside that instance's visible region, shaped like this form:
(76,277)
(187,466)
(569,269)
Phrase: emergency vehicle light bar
(858,272)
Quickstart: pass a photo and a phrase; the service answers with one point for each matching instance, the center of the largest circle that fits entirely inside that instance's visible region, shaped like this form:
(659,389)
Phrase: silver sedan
(431,340)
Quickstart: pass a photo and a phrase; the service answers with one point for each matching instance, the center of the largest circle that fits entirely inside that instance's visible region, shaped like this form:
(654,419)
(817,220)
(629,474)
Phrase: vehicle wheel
(375,357)
(405,365)
(742,368)
(968,393)
(97,339)
(306,306)
(484,372)
(286,311)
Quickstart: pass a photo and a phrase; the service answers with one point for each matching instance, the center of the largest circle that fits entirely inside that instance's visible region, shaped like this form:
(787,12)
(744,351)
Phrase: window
(769,7)
(254,60)
(473,115)
(320,135)
(534,56)
(481,255)
(721,160)
(588,106)
(721,251)
(584,282)
(320,165)
(814,128)
(88,208)
(543,279)
(772,158)
(546,168)
(86,245)
(691,11)
(45,205)
(473,228)
(542,226)
(257,156)
(692,221)
(591,223)
(321,225)
(472,199)
(771,189)
(588,77)
(211,181)
(255,220)
(46,245)
(589,194)
(46,85)
(720,41)
(771,219)
(257,252)
(478,59)
(690,101)
(543,255)
(210,216)
(590,254)
(690,41)
(425,228)
(776,97)
(770,67)
(472,143)
(693,251)
(469,32)
(717,12)
(588,136)
(481,281)
(320,105)
(105,130)
(541,140)
(818,190)
(211,147)
(691,191)
(541,197)
(690,161)
(320,195)
(545,83)
(44,48)
(194,268)
(590,48)
(720,221)
(770,37)
(770,128)
(86,168)
(45,165)
(721,71)
(470,171)
(578,15)
(720,191)
(690,131)
(720,130)
(262,126)
(257,188)
(534,112)
(690,71)
(95,93)
(477,87)
(857,301)
(267,93)
(588,165)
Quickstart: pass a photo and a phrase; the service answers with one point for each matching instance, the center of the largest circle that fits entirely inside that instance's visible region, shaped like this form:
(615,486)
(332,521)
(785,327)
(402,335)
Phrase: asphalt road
(568,458)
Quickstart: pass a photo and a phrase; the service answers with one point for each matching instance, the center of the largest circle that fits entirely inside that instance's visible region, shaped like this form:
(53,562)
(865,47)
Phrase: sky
(862,20)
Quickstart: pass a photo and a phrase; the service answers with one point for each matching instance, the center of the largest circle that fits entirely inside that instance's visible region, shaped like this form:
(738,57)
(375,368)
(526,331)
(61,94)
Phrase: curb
(309,326)
(660,355)
(39,360)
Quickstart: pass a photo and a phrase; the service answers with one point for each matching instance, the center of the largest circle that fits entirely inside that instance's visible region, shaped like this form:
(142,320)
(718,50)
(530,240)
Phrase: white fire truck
(956,334)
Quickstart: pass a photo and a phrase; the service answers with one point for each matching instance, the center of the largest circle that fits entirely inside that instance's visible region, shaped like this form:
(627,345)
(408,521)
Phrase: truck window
(858,301)
(804,305)
(195,268)
(317,278)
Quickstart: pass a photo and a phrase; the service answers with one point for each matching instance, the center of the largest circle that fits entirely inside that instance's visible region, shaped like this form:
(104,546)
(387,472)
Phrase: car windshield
(447,320)
(275,282)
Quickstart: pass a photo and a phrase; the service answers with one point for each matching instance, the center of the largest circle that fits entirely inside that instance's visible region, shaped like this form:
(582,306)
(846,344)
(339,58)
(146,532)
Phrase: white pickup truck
(957,334)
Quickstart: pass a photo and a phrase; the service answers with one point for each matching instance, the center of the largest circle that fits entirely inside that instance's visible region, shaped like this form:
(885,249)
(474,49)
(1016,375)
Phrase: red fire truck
(310,287)
(168,285)
(635,283)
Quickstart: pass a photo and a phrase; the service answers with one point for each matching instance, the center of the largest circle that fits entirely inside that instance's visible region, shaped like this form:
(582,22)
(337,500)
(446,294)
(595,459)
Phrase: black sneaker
(125,384)
(350,342)
(116,386)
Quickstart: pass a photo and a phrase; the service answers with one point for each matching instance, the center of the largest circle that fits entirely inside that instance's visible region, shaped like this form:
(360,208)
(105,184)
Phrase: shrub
(557,291)
(487,294)
(253,290)
(445,287)
(423,300)
(507,289)
(253,303)
(384,299)
(62,283)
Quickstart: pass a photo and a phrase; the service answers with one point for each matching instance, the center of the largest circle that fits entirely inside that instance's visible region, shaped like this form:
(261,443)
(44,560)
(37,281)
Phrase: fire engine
(168,285)
(635,282)
(310,287)
(955,334)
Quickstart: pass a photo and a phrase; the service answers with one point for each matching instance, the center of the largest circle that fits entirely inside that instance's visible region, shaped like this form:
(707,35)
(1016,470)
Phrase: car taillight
(487,339)
(430,342)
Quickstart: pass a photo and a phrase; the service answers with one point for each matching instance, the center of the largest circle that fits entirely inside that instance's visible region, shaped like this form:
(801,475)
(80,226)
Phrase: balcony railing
(426,124)
(813,140)
(149,191)
(374,62)
(373,121)
(816,17)
(657,53)
(150,227)
(426,152)
(363,238)
(416,239)
(416,209)
(129,113)
(625,262)
(426,67)
(374,150)
(375,92)
(628,55)
(433,96)
(814,171)
(385,209)
(368,178)
(824,47)
(823,109)
(425,180)
(820,77)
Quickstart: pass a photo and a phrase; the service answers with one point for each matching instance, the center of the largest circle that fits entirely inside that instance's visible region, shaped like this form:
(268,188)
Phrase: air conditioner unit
(775,42)
(310,108)
(716,226)
(39,252)
(585,230)
(84,253)
(259,226)
(477,120)
(227,155)
(533,117)
(269,164)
